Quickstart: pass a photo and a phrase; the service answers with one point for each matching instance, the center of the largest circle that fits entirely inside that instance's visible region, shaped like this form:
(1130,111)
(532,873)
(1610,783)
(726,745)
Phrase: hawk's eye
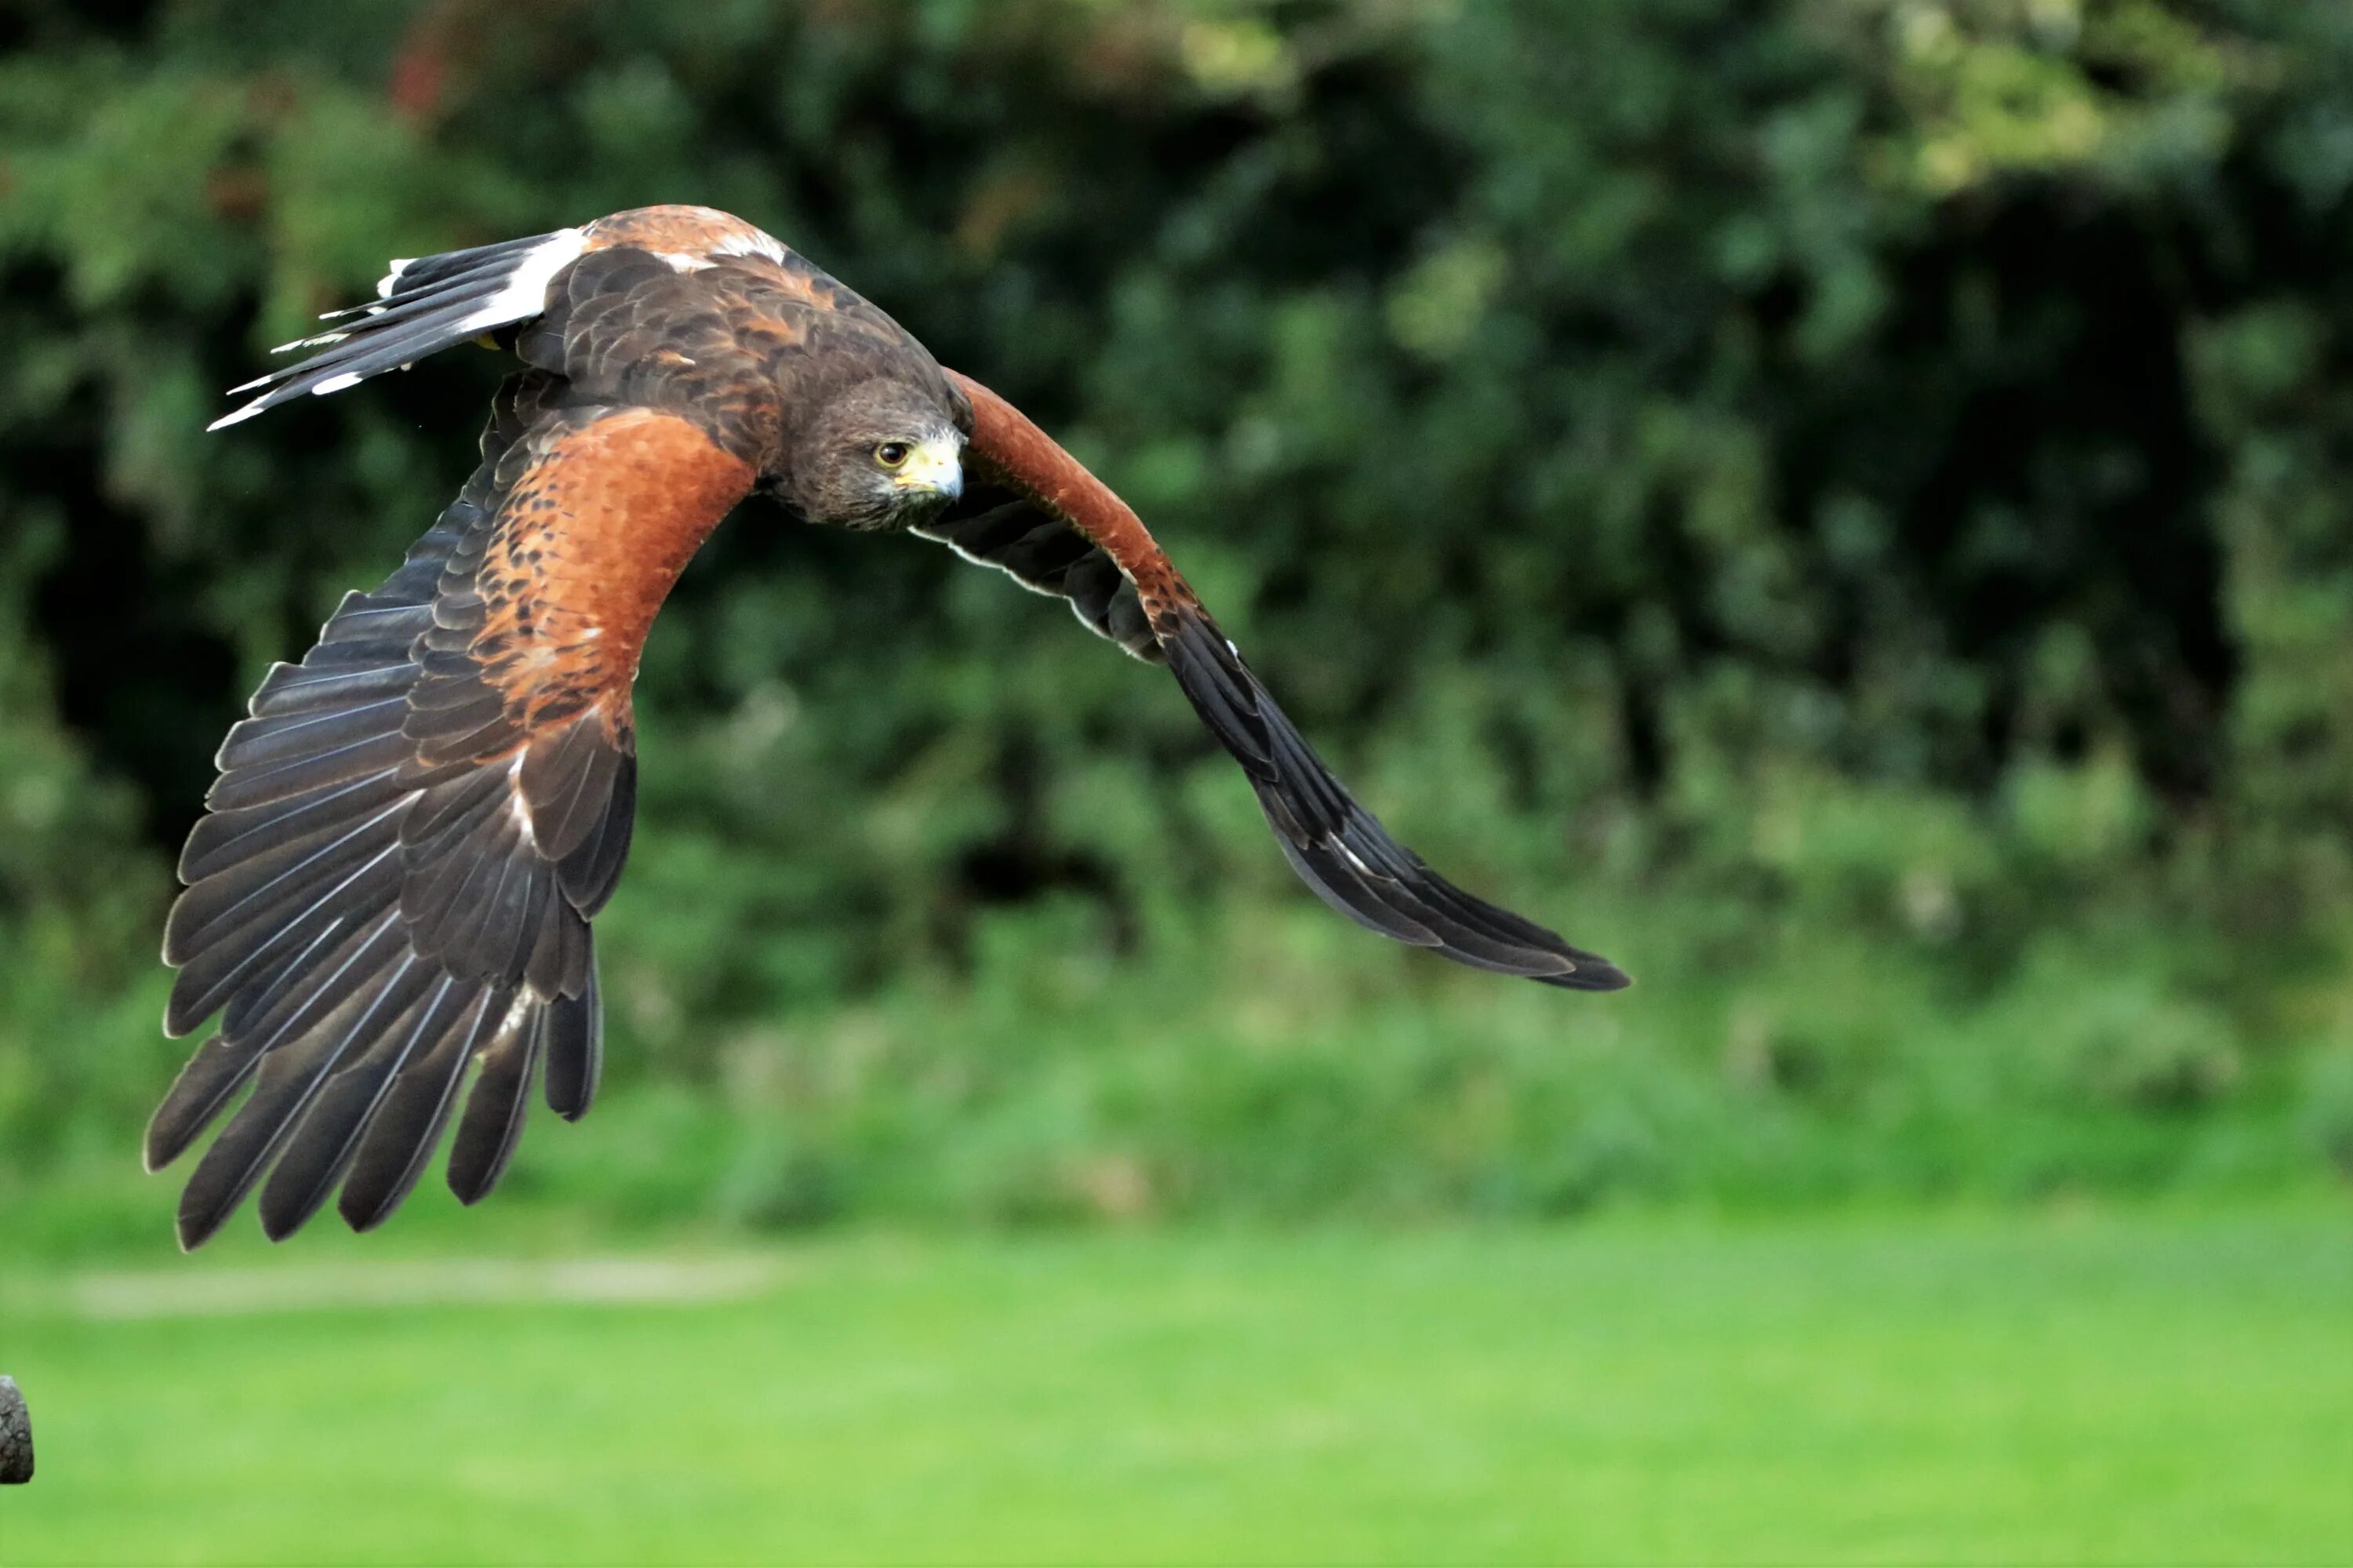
(891,454)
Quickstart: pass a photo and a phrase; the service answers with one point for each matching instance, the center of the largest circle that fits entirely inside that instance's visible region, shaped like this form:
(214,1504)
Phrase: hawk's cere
(411,834)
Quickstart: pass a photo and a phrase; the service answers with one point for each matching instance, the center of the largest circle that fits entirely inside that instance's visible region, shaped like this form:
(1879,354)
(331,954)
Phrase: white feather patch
(752,244)
(525,293)
(238,418)
(522,295)
(518,804)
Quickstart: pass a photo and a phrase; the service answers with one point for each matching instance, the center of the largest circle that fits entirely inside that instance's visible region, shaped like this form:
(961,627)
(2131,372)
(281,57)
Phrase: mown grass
(2051,1386)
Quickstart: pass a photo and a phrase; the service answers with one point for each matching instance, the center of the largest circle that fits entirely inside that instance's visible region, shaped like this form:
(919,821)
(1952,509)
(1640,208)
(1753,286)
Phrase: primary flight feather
(411,834)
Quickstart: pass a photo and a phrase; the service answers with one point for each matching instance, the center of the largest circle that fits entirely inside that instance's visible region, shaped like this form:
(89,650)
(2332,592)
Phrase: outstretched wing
(411,831)
(410,834)
(1030,509)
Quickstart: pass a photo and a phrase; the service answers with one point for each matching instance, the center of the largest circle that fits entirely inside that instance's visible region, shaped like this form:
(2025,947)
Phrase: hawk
(411,834)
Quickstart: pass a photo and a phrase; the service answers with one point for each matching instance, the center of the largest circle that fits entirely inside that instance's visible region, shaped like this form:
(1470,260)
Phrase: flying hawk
(411,834)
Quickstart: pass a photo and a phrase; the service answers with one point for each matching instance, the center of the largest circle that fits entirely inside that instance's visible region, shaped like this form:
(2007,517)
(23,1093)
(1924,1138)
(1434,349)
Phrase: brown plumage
(410,834)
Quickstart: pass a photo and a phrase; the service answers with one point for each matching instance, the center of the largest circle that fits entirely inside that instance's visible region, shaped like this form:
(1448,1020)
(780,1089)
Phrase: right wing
(411,831)
(1032,511)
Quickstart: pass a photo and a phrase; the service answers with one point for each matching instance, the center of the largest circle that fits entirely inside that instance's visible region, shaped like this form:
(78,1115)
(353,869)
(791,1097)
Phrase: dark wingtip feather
(199,1218)
(189,1232)
(496,1109)
(575,1049)
(1592,972)
(212,1075)
(323,1147)
(400,1138)
(1339,848)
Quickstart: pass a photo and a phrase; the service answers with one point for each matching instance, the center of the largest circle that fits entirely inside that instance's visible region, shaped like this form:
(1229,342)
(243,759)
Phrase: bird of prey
(412,831)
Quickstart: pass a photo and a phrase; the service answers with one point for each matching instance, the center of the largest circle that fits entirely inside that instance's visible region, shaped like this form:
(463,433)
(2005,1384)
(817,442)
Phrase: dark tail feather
(429,304)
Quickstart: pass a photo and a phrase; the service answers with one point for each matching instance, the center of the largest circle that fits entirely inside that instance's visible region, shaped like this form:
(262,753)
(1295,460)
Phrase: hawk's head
(882,453)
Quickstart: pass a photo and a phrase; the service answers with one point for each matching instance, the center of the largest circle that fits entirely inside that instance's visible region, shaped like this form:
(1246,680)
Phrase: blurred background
(1844,506)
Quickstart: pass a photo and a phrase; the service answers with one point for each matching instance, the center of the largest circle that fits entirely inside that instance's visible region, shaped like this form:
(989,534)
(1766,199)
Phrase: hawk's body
(411,834)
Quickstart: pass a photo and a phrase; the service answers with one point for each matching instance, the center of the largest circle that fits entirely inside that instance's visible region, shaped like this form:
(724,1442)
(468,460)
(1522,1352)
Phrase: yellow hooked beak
(936,466)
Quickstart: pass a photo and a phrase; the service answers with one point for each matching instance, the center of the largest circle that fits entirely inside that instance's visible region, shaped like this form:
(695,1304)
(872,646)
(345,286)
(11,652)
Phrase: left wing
(1031,510)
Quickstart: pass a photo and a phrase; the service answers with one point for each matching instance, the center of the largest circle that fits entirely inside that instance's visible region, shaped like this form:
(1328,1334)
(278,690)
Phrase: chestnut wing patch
(1028,488)
(410,834)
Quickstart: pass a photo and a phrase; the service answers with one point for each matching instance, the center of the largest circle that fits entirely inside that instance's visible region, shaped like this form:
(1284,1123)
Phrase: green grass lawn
(2056,1388)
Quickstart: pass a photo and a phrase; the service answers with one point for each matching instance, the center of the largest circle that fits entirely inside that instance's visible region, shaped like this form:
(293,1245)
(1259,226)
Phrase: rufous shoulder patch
(588,543)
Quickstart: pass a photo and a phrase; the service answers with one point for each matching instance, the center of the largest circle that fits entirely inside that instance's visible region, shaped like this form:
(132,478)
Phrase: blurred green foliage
(1843,507)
